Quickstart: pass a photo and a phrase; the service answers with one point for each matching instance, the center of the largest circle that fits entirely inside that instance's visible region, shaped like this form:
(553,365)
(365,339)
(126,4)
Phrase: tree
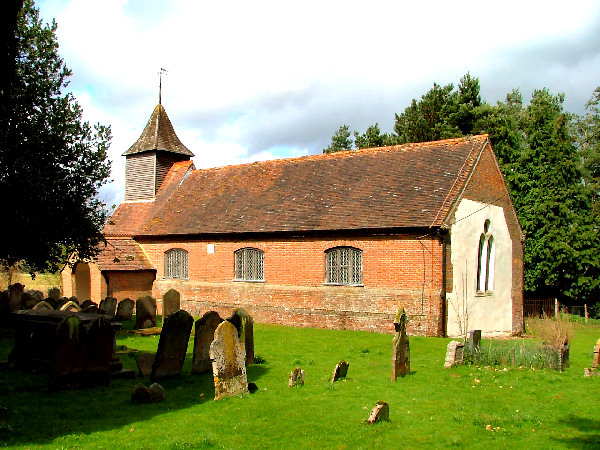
(340,140)
(52,163)
(588,140)
(373,137)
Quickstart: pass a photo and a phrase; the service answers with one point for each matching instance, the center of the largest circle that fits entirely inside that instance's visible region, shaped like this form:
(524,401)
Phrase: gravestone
(91,309)
(15,292)
(125,309)
(454,354)
(145,312)
(474,340)
(70,306)
(99,351)
(172,345)
(54,293)
(563,356)
(140,394)
(340,371)
(38,295)
(228,361)
(28,301)
(379,413)
(144,364)
(43,305)
(204,334)
(296,377)
(596,359)
(61,301)
(74,299)
(171,303)
(108,306)
(157,393)
(245,326)
(87,303)
(400,347)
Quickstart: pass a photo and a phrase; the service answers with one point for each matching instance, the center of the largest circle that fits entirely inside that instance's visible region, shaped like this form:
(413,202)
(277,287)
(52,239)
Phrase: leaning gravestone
(145,312)
(340,371)
(108,306)
(15,292)
(204,334)
(171,303)
(379,413)
(144,363)
(172,345)
(125,309)
(228,361)
(474,340)
(70,306)
(400,347)
(454,354)
(245,326)
(296,377)
(54,293)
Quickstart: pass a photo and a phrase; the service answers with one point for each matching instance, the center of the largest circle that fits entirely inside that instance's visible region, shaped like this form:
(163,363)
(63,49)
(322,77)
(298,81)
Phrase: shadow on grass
(38,417)
(591,428)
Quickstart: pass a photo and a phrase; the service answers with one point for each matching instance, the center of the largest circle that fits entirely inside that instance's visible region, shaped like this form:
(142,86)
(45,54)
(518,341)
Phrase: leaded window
(343,265)
(249,264)
(485,260)
(176,263)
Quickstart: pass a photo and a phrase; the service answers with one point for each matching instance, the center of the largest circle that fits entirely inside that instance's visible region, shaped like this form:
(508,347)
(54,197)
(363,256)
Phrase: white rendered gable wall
(467,309)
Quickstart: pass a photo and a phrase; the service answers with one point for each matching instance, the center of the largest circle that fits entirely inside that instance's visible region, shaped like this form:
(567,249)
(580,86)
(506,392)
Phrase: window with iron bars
(249,264)
(176,263)
(343,265)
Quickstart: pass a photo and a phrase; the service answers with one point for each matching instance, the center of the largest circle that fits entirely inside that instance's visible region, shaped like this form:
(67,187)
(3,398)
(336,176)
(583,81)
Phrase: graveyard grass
(464,406)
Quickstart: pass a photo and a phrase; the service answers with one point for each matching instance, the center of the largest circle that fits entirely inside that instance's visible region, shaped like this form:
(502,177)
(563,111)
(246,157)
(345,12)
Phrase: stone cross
(245,326)
(145,312)
(340,371)
(172,345)
(204,334)
(228,361)
(400,347)
(171,303)
(296,377)
(125,309)
(380,412)
(454,354)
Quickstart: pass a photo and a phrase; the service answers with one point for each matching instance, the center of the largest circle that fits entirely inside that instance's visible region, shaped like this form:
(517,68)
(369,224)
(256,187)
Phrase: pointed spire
(158,135)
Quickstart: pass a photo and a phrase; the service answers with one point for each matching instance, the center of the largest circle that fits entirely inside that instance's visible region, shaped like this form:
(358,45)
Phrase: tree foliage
(52,163)
(550,160)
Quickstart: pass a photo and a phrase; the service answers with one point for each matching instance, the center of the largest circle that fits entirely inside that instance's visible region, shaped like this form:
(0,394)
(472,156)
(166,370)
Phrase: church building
(340,240)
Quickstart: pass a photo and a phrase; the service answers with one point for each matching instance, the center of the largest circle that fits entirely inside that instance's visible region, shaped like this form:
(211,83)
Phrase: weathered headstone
(91,309)
(474,340)
(296,377)
(43,305)
(145,312)
(87,303)
(171,303)
(140,394)
(144,364)
(379,413)
(245,326)
(454,354)
(563,356)
(28,301)
(15,292)
(61,301)
(108,306)
(157,393)
(204,333)
(100,351)
(125,309)
(596,359)
(74,299)
(68,361)
(340,371)
(38,295)
(70,306)
(172,345)
(54,293)
(400,347)
(228,360)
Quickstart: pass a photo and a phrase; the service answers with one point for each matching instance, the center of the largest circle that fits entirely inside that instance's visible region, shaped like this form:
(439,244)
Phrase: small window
(176,263)
(249,264)
(485,260)
(343,265)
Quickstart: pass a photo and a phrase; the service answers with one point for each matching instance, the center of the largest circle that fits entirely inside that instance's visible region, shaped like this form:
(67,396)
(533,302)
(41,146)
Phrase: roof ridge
(350,153)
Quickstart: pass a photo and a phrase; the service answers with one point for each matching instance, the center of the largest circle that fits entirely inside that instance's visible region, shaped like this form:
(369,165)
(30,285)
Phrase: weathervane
(160,74)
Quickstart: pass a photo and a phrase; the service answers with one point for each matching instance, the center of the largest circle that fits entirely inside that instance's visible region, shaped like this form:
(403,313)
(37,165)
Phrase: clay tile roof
(158,135)
(412,185)
(123,254)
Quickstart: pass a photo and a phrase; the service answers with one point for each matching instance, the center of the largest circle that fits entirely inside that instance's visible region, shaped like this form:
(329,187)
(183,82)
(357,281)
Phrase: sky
(249,81)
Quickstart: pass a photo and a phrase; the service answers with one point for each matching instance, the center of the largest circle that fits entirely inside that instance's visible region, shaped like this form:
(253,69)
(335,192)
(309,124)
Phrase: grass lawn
(467,406)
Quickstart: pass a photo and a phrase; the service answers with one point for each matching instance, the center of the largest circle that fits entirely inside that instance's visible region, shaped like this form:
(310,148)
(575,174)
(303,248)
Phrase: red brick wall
(398,270)
(130,284)
(487,185)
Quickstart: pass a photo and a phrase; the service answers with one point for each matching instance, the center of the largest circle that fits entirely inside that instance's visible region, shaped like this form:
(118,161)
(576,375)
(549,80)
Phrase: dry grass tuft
(553,331)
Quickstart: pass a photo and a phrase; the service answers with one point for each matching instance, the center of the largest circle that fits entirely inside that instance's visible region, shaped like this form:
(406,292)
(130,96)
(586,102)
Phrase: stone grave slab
(145,312)
(340,371)
(172,345)
(454,354)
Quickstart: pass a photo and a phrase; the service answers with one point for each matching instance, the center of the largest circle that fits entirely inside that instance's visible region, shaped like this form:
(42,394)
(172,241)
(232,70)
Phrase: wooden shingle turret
(151,157)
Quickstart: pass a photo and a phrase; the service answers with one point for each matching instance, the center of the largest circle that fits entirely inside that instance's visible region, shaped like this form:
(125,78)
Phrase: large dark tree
(52,163)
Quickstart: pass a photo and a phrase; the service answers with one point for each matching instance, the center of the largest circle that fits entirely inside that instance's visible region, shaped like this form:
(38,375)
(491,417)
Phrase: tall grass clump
(552,331)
